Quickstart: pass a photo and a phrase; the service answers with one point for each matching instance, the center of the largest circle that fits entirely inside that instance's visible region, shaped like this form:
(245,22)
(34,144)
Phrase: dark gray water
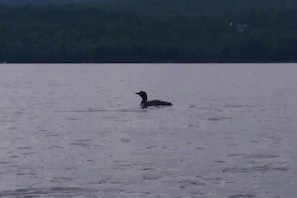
(78,131)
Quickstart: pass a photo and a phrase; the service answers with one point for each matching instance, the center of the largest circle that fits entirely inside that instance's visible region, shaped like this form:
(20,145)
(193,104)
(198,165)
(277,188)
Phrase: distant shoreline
(150,31)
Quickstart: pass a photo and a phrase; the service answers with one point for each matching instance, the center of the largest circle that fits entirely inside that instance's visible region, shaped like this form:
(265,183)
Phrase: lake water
(78,131)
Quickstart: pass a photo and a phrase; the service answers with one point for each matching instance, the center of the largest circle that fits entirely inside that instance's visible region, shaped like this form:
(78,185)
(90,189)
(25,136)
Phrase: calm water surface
(78,131)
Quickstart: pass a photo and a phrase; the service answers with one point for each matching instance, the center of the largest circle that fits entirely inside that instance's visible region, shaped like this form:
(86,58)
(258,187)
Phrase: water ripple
(242,196)
(259,168)
(90,110)
(49,192)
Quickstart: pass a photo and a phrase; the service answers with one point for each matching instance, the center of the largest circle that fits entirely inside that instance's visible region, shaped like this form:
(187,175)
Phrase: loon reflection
(145,103)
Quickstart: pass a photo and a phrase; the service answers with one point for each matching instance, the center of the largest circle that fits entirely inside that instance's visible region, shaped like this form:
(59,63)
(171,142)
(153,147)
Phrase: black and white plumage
(145,103)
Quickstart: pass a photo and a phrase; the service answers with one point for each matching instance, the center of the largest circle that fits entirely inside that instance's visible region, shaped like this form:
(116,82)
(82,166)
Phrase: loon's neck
(143,104)
(143,101)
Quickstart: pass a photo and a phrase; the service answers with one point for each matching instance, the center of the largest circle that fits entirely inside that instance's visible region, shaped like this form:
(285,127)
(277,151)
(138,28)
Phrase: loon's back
(157,103)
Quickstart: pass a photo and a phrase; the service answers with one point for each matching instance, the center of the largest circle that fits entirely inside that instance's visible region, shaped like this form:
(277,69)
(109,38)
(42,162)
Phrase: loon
(144,103)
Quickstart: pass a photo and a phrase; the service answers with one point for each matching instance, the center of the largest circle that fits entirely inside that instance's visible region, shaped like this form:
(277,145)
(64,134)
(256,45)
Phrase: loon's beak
(137,93)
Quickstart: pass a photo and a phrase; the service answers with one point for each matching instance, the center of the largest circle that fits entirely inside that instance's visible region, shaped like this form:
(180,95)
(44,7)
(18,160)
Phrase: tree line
(150,31)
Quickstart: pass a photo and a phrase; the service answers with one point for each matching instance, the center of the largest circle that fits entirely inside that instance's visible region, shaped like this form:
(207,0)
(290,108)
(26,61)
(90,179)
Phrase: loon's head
(143,95)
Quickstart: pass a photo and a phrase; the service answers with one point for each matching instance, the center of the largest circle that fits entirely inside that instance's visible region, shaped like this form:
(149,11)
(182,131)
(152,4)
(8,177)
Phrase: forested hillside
(151,31)
(46,2)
